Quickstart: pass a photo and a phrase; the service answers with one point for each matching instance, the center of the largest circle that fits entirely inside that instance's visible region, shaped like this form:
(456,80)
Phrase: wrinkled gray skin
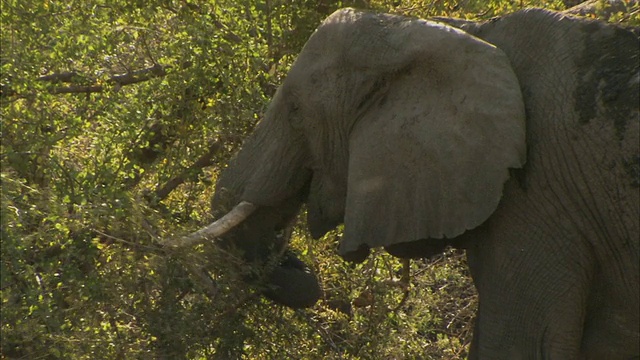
(556,264)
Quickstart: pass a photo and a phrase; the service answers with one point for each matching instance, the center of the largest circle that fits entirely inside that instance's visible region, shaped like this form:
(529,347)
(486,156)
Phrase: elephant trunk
(291,283)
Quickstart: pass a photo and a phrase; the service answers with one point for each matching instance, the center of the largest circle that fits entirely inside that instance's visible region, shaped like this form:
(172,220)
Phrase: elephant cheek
(293,287)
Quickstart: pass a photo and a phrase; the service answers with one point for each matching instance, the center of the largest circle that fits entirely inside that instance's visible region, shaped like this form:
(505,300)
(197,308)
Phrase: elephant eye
(294,115)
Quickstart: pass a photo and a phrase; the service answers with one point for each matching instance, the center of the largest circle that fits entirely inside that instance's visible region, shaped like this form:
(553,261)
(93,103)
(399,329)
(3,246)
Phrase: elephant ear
(435,137)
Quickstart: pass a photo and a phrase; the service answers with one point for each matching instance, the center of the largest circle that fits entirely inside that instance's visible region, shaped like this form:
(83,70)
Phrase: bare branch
(77,89)
(66,77)
(204,161)
(154,249)
(129,78)
(140,75)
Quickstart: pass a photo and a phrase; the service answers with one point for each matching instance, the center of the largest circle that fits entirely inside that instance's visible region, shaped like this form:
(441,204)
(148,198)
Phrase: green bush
(116,118)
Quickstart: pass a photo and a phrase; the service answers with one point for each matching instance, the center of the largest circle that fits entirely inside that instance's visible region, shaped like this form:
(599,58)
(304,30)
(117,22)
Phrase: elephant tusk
(217,228)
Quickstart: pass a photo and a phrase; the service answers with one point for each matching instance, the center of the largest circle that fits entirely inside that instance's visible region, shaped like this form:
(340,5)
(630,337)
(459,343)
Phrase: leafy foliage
(116,117)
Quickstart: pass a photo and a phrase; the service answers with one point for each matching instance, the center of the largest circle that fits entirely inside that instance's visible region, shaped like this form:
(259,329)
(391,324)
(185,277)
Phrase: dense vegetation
(116,118)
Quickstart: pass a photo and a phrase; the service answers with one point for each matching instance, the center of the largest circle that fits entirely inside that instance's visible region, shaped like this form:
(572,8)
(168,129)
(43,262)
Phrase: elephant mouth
(291,282)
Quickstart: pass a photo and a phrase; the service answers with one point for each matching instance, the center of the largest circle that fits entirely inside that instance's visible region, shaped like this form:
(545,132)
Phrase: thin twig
(110,237)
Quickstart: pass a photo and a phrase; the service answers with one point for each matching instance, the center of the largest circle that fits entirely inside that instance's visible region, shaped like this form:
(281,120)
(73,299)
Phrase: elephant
(516,139)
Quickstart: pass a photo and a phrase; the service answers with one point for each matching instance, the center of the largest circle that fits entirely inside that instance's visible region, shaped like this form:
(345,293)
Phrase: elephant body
(552,244)
(576,201)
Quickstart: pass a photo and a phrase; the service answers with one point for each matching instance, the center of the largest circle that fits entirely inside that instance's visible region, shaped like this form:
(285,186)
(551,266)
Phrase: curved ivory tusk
(217,228)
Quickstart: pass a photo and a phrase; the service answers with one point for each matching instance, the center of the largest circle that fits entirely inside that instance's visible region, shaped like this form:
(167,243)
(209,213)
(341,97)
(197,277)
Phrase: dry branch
(117,80)
(204,161)
(70,77)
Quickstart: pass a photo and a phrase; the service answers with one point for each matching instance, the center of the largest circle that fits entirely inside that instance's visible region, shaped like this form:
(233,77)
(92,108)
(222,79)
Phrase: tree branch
(204,161)
(70,77)
(66,77)
(77,89)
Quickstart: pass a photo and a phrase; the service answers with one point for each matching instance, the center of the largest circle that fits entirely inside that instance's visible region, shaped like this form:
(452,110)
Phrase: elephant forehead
(349,19)
(354,37)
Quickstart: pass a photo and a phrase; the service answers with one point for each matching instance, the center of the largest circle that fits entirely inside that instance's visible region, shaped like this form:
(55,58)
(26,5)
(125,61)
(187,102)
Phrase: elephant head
(402,129)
